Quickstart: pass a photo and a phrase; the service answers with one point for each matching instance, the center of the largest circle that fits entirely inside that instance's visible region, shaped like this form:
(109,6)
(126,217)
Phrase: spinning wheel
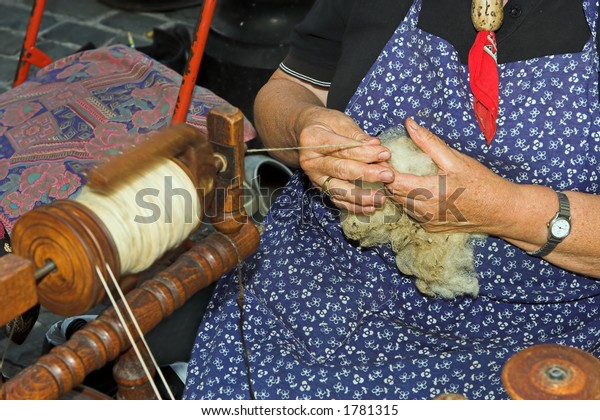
(552,372)
(61,250)
(67,239)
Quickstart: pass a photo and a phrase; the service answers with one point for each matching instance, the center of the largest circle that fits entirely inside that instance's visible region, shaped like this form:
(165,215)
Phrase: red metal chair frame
(31,55)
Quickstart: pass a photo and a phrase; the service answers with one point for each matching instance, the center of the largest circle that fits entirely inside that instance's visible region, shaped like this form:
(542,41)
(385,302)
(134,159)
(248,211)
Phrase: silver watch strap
(564,210)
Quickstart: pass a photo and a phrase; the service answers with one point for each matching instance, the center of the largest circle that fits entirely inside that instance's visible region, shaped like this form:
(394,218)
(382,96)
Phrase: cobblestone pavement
(68,25)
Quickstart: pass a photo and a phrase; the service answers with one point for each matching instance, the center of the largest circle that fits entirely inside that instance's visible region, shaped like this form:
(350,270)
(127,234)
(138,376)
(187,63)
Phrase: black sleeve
(316,42)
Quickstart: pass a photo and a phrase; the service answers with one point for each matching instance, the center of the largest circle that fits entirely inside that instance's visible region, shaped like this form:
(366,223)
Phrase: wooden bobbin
(76,241)
(552,372)
(487,15)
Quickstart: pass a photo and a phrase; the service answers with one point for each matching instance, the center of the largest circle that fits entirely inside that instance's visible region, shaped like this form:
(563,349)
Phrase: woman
(324,318)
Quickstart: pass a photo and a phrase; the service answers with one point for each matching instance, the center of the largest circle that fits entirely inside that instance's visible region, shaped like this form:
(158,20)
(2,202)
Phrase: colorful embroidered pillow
(78,111)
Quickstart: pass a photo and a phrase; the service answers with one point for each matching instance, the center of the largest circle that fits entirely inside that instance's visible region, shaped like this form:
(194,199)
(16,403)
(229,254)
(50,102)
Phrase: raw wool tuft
(441,263)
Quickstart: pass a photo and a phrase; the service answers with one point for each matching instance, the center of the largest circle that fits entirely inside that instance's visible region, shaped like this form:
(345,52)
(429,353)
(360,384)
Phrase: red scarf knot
(483,72)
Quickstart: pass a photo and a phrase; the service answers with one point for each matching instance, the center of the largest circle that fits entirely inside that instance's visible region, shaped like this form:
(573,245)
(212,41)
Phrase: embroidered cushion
(79,111)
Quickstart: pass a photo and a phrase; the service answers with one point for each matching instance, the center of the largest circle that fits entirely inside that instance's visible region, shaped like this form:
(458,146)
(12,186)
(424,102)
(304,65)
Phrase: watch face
(561,228)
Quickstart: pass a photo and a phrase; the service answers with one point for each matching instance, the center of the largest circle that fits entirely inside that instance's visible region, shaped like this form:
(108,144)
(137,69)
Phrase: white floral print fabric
(324,318)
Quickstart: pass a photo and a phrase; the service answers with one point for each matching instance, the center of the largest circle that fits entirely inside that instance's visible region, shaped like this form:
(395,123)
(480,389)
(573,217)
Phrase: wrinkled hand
(357,156)
(464,196)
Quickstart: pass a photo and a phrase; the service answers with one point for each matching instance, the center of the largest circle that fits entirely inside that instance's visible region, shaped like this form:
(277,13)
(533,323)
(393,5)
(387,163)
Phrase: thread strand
(321,146)
(139,331)
(128,333)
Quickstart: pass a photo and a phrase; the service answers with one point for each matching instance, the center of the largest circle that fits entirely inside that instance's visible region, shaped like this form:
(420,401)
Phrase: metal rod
(44,270)
(193,65)
(33,27)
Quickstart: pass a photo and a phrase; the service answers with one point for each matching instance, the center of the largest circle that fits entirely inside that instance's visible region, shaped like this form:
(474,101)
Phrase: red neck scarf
(483,71)
(483,67)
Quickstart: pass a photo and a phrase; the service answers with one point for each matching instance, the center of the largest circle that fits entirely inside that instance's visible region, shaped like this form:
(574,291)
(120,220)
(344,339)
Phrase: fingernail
(386,176)
(384,155)
(412,124)
(368,210)
(378,199)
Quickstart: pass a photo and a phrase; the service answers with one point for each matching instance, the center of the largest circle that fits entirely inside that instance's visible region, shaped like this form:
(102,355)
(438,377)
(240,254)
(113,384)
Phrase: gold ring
(325,186)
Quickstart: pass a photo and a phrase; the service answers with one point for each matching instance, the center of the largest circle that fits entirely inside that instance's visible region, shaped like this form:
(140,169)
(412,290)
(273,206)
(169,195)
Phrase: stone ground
(68,25)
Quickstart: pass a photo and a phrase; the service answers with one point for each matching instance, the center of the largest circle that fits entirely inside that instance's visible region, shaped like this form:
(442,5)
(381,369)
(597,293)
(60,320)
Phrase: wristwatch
(558,228)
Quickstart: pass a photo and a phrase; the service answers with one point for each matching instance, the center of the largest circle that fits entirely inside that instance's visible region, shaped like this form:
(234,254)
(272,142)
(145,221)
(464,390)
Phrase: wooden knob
(552,372)
(487,15)
(226,132)
(69,235)
(450,396)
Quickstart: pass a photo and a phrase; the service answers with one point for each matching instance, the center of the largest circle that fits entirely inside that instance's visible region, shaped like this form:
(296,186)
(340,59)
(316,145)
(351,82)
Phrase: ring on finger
(325,186)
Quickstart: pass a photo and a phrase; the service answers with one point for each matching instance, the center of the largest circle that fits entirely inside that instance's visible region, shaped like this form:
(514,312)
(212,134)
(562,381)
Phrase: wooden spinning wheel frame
(57,247)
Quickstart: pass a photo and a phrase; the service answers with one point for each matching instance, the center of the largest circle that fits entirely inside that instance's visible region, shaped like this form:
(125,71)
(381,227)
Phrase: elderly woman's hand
(353,155)
(464,196)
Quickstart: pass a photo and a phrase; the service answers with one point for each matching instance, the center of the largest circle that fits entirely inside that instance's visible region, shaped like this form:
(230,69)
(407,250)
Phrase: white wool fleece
(441,263)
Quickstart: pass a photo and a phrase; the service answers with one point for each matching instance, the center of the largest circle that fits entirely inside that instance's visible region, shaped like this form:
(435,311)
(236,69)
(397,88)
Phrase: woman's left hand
(464,196)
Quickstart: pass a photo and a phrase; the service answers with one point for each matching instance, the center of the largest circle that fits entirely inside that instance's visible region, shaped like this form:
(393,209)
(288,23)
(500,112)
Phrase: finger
(354,208)
(408,185)
(341,147)
(370,152)
(430,144)
(345,126)
(350,170)
(415,209)
(348,192)
(342,141)
(421,217)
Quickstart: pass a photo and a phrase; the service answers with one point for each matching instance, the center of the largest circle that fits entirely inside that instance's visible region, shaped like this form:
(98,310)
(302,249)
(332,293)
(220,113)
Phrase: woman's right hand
(291,113)
(353,156)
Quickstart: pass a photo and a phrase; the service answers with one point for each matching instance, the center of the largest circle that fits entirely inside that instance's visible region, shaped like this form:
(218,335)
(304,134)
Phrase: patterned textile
(327,319)
(79,111)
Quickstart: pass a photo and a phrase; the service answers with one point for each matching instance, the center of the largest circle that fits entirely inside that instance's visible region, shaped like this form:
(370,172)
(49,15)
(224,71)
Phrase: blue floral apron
(327,319)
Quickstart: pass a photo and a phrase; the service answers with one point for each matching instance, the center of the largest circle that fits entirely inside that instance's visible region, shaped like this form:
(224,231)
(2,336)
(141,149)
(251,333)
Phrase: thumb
(429,143)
